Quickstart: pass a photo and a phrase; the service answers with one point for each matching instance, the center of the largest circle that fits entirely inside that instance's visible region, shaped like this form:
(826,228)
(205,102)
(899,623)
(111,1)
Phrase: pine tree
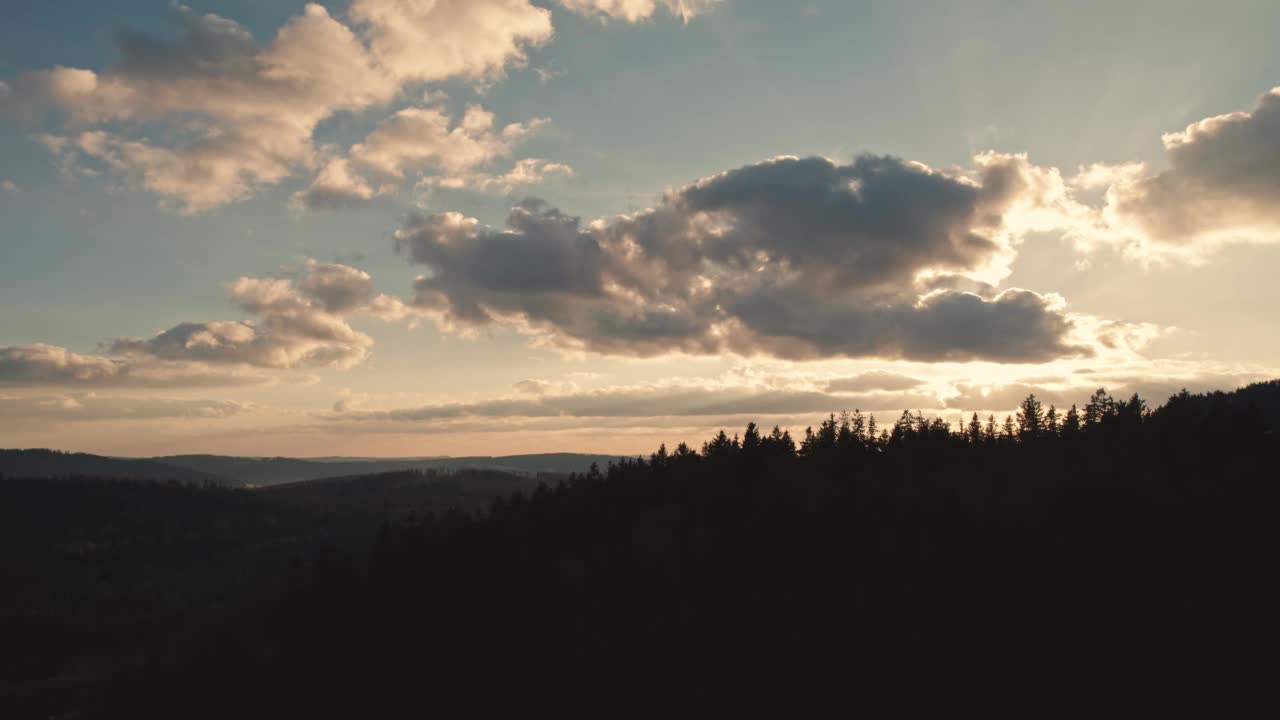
(859,426)
(1071,424)
(904,429)
(1099,408)
(975,430)
(751,440)
(786,444)
(844,434)
(1030,419)
(659,459)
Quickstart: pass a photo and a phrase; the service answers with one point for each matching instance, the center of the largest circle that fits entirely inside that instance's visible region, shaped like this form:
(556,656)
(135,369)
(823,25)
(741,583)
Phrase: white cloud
(224,117)
(429,141)
(424,40)
(234,116)
(526,172)
(1222,185)
(301,322)
(637,10)
(336,186)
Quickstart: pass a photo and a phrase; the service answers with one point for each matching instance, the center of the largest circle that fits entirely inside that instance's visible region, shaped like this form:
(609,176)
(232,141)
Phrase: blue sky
(1151,276)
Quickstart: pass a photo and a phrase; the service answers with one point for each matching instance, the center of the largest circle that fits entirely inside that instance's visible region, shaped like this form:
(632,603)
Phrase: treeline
(1118,564)
(1217,418)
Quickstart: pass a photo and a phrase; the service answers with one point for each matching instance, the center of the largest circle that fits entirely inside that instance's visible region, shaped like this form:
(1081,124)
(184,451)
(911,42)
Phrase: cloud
(89,407)
(214,116)
(768,394)
(425,40)
(528,171)
(1222,185)
(9,187)
(534,387)
(416,137)
(875,380)
(335,187)
(1155,385)
(637,10)
(300,322)
(42,364)
(232,116)
(649,401)
(793,258)
(420,139)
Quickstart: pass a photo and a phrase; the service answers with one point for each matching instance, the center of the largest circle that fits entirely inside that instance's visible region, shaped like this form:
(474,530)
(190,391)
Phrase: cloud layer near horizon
(89,407)
(788,400)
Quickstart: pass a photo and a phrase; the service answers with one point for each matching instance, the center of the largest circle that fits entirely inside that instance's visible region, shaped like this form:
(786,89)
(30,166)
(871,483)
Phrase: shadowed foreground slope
(107,576)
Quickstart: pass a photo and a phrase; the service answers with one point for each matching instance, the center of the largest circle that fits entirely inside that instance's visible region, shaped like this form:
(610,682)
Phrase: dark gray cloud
(795,258)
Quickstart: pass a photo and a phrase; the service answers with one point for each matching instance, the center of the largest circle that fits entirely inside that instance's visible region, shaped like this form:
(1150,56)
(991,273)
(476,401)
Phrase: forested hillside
(107,574)
(1106,561)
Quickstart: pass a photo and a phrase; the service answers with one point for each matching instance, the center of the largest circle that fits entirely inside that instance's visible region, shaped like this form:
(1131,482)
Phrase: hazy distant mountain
(52,463)
(359,458)
(276,471)
(235,471)
(532,464)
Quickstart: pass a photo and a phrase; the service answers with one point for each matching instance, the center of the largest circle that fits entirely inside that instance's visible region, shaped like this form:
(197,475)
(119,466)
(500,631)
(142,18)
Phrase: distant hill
(361,458)
(277,471)
(374,498)
(52,463)
(562,463)
(264,472)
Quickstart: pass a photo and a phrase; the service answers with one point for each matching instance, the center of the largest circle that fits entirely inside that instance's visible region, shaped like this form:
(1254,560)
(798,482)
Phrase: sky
(459,227)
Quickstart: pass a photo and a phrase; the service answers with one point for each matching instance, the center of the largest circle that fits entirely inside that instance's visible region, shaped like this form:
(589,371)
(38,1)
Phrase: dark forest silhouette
(1109,560)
